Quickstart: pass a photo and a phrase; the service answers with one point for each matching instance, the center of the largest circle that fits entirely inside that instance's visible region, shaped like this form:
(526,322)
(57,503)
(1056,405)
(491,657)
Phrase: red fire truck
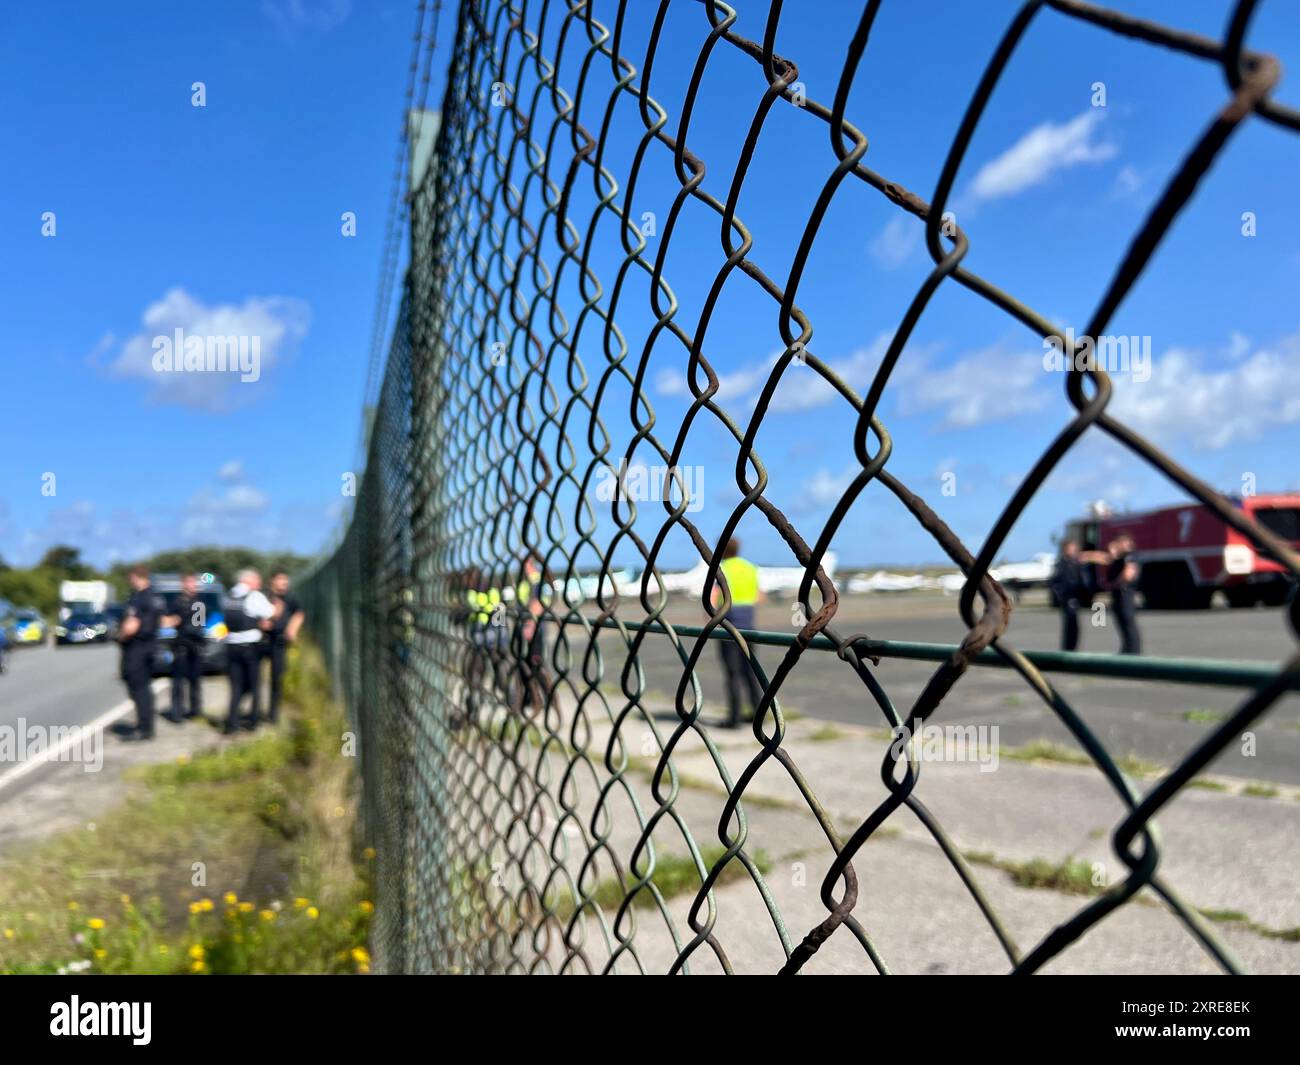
(1187,553)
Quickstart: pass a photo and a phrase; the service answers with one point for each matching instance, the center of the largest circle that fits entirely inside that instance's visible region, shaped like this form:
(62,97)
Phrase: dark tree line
(38,586)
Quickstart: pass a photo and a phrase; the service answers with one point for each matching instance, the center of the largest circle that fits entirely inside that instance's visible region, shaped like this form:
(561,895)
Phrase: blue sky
(226,218)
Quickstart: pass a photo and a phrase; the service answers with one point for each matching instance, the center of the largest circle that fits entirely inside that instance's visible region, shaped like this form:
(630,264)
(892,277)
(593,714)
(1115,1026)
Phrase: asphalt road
(68,686)
(1160,722)
(48,687)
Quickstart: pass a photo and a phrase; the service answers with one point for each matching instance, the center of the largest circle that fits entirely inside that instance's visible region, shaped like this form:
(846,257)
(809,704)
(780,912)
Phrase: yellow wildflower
(312,912)
(96,923)
(245,907)
(230,898)
(197,952)
(366,906)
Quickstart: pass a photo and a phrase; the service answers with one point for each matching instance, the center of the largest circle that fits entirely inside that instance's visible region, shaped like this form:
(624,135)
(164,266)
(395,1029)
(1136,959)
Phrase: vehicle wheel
(1275,595)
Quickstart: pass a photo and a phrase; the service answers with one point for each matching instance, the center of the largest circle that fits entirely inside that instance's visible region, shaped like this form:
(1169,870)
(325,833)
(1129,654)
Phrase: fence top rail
(1219,673)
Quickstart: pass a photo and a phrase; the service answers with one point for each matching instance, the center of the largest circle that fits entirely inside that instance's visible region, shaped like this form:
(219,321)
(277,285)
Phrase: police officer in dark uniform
(285,624)
(1121,579)
(1068,587)
(528,642)
(138,636)
(190,621)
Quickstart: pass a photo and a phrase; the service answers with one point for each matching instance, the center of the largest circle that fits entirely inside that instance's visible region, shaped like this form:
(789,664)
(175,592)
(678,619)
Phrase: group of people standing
(509,659)
(258,627)
(1081,575)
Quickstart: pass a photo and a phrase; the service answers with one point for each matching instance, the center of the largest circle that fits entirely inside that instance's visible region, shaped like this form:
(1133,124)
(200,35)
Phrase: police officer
(248,614)
(1121,579)
(285,624)
(529,646)
(190,621)
(138,636)
(486,640)
(742,582)
(1068,587)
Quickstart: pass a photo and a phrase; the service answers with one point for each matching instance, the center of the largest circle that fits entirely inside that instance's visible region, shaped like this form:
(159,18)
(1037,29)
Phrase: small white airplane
(884,581)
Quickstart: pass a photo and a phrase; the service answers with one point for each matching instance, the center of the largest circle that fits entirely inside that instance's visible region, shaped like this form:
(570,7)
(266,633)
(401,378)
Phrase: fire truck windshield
(1281,521)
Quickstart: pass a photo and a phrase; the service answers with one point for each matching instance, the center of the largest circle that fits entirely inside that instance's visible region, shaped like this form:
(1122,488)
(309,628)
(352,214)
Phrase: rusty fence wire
(520,783)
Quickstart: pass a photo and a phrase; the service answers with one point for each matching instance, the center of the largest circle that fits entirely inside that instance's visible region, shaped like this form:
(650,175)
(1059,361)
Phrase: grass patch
(1236,917)
(1260,791)
(1204,717)
(646,767)
(1072,876)
(674,875)
(1206,784)
(1224,916)
(1047,751)
(239,860)
(826,734)
(1137,766)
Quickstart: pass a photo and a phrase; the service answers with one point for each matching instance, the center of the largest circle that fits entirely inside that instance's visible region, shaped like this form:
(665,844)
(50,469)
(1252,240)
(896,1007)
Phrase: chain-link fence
(520,778)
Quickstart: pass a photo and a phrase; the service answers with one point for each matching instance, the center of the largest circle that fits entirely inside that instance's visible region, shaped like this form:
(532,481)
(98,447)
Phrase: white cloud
(295,16)
(1210,409)
(985,386)
(893,244)
(276,323)
(102,348)
(1043,150)
(224,513)
(1128,183)
(824,488)
(732,387)
(801,387)
(1103,469)
(994,384)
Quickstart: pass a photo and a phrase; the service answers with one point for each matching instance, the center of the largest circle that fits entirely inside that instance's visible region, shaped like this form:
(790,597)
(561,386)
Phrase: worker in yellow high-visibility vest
(488,618)
(741,576)
(529,649)
(486,624)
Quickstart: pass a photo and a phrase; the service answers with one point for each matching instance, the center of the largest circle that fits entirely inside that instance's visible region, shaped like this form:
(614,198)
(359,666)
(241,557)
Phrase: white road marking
(52,754)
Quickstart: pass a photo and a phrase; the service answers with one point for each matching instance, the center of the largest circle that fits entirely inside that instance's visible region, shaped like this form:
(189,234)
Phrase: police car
(82,628)
(211,595)
(28,629)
